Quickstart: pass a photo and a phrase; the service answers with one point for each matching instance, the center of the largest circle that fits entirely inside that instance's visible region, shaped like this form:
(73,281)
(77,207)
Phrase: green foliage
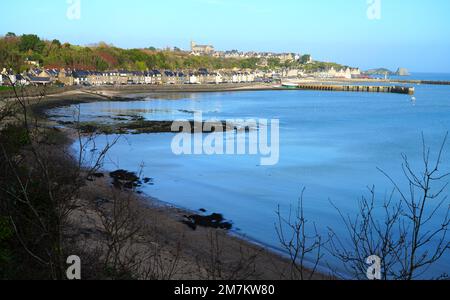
(249,63)
(274,63)
(10,55)
(31,42)
(56,43)
(15,50)
(13,138)
(141,66)
(322,66)
(34,56)
(305,59)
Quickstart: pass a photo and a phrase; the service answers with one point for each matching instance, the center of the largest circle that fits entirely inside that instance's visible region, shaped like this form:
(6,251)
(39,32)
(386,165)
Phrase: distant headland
(384,71)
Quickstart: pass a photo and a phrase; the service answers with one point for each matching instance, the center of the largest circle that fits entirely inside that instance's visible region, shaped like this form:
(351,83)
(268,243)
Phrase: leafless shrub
(161,263)
(7,110)
(401,230)
(130,249)
(121,226)
(215,265)
(42,186)
(303,248)
(45,191)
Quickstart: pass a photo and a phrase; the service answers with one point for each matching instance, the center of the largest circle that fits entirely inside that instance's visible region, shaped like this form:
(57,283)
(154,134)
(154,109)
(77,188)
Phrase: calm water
(331,144)
(423,76)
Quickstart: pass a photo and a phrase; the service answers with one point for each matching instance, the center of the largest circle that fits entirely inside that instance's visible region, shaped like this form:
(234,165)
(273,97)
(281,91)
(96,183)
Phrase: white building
(219,78)
(343,73)
(194,79)
(11,79)
(149,78)
(237,77)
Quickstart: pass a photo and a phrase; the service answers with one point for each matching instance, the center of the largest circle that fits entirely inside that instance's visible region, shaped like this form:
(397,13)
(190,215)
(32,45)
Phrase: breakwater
(354,88)
(430,82)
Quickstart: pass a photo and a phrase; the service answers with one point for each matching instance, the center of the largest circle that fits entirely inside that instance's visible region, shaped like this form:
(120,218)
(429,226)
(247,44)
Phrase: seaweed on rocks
(215,220)
(125,180)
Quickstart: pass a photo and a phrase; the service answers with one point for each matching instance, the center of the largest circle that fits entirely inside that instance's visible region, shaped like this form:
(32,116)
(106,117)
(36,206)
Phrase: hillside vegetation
(16,50)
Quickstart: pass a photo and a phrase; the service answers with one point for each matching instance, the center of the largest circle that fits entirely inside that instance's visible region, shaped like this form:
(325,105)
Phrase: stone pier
(357,88)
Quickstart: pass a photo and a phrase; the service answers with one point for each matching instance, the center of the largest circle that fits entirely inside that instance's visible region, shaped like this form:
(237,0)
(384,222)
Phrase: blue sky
(410,33)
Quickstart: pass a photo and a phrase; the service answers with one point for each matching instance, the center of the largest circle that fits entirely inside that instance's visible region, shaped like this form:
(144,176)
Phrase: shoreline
(270,263)
(112,92)
(120,93)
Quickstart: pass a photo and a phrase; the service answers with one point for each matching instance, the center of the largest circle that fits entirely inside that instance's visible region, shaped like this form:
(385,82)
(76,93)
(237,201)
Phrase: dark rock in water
(147,180)
(65,123)
(119,119)
(123,179)
(124,175)
(137,118)
(213,221)
(202,210)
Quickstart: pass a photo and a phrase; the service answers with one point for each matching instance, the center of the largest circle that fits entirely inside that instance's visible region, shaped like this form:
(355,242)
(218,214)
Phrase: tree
(56,43)
(274,63)
(249,63)
(10,35)
(400,231)
(36,57)
(141,66)
(31,42)
(301,246)
(305,59)
(10,56)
